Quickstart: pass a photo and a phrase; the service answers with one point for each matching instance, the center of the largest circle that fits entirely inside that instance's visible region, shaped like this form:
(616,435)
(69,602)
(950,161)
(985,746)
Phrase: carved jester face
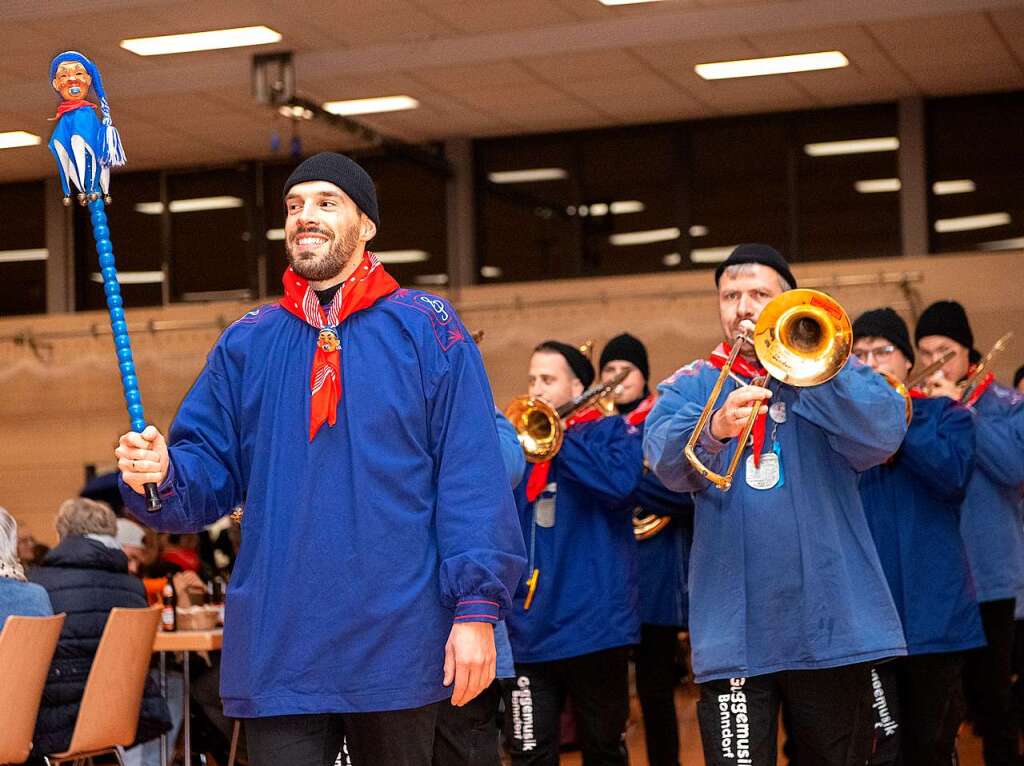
(72,80)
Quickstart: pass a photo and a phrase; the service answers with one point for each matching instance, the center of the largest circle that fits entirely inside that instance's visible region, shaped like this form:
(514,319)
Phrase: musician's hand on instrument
(940,385)
(469,660)
(730,419)
(142,458)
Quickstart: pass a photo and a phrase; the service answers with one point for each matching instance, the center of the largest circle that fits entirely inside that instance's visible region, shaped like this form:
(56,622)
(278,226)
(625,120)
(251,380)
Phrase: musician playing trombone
(572,626)
(990,520)
(912,502)
(788,601)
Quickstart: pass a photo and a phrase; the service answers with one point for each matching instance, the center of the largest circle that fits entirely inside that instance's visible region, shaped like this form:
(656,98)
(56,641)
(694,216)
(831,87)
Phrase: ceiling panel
(499,15)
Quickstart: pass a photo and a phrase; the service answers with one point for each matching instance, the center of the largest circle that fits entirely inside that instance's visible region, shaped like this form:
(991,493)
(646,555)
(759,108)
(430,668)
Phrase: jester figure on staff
(84,141)
(86,145)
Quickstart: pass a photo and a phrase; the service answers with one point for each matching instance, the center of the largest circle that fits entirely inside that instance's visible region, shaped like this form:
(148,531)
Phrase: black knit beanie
(948,319)
(579,364)
(885,323)
(626,348)
(343,172)
(757,253)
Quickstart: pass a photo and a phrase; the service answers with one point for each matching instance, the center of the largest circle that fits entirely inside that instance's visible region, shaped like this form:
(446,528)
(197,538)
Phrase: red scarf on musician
(639,415)
(981,388)
(539,475)
(748,370)
(368,284)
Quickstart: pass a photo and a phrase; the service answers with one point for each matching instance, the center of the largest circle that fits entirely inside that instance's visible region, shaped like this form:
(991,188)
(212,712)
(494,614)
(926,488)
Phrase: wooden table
(184,641)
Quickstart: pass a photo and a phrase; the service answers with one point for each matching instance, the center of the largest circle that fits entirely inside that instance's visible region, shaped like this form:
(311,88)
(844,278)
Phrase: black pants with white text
(598,684)
(828,711)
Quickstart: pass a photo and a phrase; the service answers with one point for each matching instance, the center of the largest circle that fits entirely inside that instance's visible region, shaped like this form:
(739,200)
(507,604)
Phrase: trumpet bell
(647,525)
(803,337)
(537,426)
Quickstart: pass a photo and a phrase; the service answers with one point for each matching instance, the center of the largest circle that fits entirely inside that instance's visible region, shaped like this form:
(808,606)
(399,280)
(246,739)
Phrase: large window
(653,198)
(976,172)
(23,249)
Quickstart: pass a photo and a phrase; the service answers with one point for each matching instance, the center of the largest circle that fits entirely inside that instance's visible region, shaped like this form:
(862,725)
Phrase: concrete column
(461,216)
(913,176)
(60,246)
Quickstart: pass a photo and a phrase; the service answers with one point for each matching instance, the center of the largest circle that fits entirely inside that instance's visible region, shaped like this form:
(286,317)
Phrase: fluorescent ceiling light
(371,105)
(698,231)
(431,279)
(132,277)
(275,235)
(527,176)
(402,256)
(626,2)
(597,209)
(856,146)
(711,254)
(194,205)
(14,139)
(1017,243)
(19,256)
(875,185)
(802,62)
(971,222)
(644,237)
(672,259)
(623,207)
(961,186)
(490,272)
(201,41)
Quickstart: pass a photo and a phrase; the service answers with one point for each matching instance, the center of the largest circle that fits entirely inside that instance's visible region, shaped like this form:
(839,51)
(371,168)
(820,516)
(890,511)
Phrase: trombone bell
(537,426)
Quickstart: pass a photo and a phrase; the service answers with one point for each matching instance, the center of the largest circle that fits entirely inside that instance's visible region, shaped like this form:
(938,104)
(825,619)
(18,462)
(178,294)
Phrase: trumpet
(975,378)
(923,375)
(803,338)
(539,426)
(901,389)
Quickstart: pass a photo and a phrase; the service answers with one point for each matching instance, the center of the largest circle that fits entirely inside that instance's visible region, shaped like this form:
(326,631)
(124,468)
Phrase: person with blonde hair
(17,597)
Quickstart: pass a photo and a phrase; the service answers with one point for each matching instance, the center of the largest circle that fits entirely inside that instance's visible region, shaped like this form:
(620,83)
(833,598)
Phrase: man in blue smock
(788,601)
(990,518)
(662,562)
(572,625)
(912,502)
(380,540)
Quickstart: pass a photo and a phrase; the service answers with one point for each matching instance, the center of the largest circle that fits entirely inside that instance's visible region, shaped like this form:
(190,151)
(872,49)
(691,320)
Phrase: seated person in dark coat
(86,576)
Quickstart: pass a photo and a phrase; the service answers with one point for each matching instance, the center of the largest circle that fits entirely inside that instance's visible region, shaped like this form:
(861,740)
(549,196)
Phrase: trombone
(981,368)
(539,426)
(803,338)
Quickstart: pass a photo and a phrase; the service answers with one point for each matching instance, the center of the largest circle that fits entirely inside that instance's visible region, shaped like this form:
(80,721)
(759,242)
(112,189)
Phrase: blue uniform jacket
(515,466)
(586,596)
(990,520)
(785,578)
(664,558)
(359,548)
(913,507)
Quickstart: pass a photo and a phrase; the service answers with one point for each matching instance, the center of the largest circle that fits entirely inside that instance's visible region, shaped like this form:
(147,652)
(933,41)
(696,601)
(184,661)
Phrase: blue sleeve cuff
(707,442)
(477,609)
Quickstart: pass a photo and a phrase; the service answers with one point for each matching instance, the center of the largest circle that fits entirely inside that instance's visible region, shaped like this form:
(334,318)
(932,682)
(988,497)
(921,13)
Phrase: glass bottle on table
(169,614)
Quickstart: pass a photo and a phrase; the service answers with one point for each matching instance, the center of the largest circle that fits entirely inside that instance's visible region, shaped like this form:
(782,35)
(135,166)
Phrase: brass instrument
(803,338)
(981,368)
(647,525)
(539,425)
(902,390)
(923,375)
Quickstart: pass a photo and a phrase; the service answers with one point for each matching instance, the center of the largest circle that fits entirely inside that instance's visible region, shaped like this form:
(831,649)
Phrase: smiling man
(380,540)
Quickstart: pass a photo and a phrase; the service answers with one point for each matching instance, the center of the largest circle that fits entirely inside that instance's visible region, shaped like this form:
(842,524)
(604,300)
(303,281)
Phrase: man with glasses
(912,503)
(990,520)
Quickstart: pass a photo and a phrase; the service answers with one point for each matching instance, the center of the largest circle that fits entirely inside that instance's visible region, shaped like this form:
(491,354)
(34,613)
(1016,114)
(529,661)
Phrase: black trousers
(468,735)
(397,738)
(987,685)
(828,711)
(655,660)
(919,707)
(598,684)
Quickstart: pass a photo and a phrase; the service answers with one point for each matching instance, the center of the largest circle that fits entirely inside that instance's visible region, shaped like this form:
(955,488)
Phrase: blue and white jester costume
(85,145)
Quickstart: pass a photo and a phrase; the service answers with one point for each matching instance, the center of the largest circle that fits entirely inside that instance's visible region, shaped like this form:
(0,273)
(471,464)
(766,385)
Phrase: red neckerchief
(981,388)
(71,105)
(718,358)
(917,393)
(539,475)
(639,415)
(366,286)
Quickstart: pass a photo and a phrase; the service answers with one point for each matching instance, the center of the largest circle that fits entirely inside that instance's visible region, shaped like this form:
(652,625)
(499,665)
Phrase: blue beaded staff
(86,145)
